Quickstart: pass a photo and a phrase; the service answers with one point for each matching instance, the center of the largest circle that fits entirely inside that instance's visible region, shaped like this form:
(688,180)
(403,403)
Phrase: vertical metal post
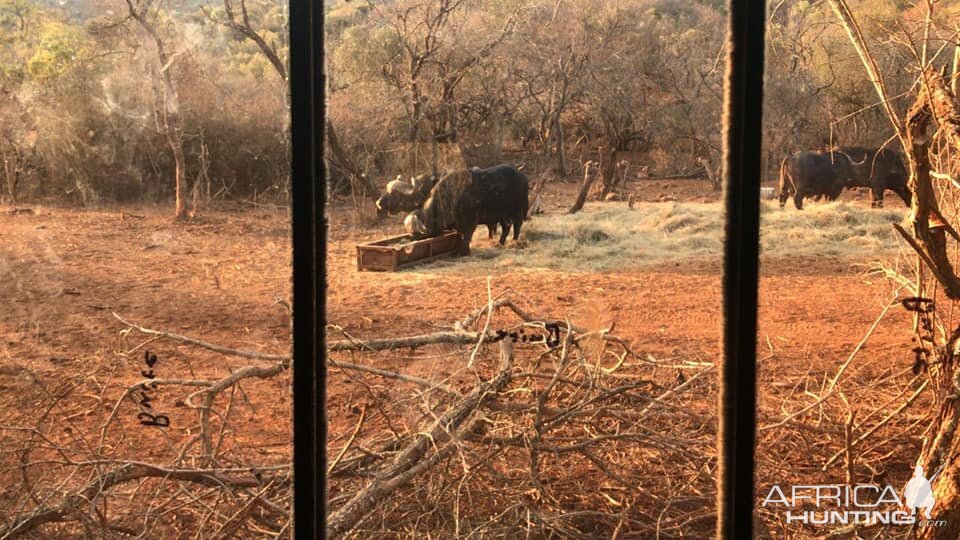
(309,257)
(742,144)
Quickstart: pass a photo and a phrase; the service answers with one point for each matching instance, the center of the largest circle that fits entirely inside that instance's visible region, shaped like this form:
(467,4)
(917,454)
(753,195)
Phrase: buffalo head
(405,196)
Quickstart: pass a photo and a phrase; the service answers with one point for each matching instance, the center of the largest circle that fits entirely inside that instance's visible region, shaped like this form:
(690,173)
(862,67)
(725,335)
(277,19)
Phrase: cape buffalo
(877,169)
(463,199)
(403,196)
(811,174)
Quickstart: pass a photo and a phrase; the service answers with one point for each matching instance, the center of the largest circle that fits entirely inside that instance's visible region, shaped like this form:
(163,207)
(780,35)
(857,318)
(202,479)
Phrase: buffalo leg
(466,230)
(904,194)
(798,201)
(505,230)
(517,223)
(492,229)
(877,198)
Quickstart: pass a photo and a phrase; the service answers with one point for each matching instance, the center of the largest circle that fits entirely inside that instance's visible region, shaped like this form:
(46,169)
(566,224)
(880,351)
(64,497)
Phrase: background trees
(413,85)
(560,82)
(84,99)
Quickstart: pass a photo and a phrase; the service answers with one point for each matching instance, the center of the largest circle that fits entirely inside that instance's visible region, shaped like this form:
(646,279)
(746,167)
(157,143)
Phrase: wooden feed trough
(392,254)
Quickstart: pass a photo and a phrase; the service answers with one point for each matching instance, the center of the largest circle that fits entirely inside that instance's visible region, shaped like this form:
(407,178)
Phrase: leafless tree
(148,15)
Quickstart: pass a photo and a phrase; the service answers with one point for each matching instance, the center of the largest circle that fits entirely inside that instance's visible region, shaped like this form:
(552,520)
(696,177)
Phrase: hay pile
(610,236)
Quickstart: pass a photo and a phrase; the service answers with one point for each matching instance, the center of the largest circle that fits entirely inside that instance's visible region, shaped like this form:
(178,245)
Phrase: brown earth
(63,272)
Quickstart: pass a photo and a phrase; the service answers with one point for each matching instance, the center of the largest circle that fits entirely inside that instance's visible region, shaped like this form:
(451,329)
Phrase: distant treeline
(576,80)
(83,106)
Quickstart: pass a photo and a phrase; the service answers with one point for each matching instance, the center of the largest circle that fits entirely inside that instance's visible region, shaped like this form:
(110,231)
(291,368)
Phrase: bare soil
(64,272)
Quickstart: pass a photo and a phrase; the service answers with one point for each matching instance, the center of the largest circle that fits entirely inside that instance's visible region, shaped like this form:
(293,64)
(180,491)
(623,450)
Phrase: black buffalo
(812,174)
(877,169)
(463,199)
(816,174)
(400,196)
(507,190)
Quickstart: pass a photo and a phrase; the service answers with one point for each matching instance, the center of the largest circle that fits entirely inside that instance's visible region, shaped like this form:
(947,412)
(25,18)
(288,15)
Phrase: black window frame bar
(309,267)
(743,137)
(742,173)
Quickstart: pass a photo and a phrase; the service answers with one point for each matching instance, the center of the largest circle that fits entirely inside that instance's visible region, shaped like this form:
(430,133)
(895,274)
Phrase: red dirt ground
(62,273)
(813,312)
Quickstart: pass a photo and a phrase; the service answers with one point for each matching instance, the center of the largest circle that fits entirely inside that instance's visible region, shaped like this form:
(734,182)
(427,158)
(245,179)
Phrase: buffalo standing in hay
(877,169)
(463,199)
(812,174)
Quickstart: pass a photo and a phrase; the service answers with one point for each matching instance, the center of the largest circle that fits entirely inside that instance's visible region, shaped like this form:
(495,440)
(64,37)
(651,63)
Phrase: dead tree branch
(129,472)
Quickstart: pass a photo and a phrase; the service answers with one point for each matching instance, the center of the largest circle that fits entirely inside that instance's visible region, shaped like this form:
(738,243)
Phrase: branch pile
(581,436)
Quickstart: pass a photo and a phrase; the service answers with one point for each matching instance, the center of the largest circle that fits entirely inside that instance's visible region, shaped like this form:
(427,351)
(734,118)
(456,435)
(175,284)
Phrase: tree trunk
(589,175)
(11,173)
(956,70)
(414,134)
(173,138)
(608,166)
(715,179)
(941,451)
(561,152)
(170,113)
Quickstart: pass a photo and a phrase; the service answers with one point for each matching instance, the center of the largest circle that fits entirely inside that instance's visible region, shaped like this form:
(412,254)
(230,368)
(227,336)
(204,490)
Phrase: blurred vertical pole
(743,106)
(309,256)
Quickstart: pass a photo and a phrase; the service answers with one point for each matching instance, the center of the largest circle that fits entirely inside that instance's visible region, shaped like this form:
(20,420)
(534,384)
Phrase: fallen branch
(424,383)
(247,372)
(696,174)
(204,344)
(373,345)
(125,473)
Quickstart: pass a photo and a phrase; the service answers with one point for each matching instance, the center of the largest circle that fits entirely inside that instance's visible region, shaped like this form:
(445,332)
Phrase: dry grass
(610,236)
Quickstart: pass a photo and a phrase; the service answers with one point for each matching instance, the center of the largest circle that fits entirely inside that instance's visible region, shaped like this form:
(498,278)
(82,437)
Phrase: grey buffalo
(401,196)
(405,197)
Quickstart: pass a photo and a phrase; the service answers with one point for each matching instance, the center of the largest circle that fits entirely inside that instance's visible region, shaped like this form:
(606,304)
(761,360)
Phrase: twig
(206,345)
(866,435)
(429,385)
(408,463)
(833,382)
(356,430)
(486,325)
